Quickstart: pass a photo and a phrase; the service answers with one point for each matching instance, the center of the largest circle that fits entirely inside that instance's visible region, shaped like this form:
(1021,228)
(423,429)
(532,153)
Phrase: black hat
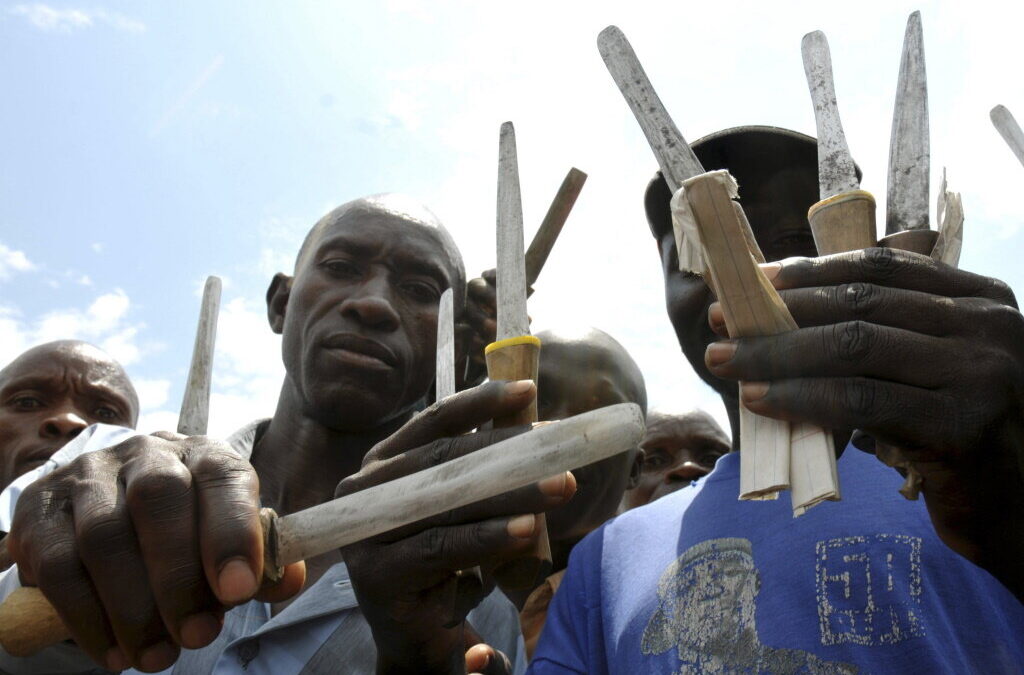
(749,153)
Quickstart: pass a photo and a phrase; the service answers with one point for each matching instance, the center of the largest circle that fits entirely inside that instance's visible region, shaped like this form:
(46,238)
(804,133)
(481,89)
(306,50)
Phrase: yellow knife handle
(518,358)
(845,222)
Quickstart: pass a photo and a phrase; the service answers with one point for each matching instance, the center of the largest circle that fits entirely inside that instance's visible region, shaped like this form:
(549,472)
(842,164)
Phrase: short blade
(551,226)
(195,406)
(675,158)
(1009,130)
(445,372)
(836,171)
(510,464)
(909,154)
(511,272)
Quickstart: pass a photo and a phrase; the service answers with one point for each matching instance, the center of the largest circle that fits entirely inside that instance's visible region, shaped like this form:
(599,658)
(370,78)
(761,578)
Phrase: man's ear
(636,469)
(277,300)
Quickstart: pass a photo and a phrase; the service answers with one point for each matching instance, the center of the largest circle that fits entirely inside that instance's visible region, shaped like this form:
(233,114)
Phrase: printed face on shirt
(359,318)
(49,394)
(678,449)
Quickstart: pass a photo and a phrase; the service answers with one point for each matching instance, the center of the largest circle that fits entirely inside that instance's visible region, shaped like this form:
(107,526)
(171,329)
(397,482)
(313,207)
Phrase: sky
(146,145)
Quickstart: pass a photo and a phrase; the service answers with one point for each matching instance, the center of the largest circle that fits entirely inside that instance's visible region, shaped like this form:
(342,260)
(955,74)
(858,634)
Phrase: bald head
(582,370)
(50,393)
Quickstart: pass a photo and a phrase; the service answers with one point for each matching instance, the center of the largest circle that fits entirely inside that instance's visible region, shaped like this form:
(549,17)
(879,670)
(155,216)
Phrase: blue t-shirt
(701,582)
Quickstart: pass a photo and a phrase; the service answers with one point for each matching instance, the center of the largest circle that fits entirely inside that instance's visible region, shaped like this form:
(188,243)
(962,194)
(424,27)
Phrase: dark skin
(50,393)
(142,547)
(910,351)
(579,373)
(677,450)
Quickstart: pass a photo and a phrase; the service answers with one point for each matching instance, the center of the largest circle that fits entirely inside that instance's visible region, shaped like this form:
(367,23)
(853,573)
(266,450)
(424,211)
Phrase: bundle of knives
(714,238)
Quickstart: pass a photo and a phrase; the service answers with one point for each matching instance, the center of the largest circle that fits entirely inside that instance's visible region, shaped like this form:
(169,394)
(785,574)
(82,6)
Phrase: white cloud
(50,19)
(97,247)
(152,393)
(12,261)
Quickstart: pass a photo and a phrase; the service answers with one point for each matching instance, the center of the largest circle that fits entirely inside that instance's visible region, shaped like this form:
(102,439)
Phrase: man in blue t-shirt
(913,353)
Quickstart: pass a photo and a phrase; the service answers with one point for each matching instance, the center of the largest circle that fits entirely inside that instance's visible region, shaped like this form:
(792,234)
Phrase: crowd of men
(150,547)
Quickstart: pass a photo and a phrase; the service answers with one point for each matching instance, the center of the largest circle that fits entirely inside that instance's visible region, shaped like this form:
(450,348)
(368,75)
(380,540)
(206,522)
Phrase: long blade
(445,371)
(909,154)
(675,158)
(1009,130)
(836,172)
(513,463)
(551,226)
(195,406)
(511,273)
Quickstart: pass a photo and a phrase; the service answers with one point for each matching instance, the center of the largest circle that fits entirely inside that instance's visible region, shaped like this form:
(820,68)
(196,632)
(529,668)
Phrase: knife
(1008,128)
(906,217)
(515,355)
(551,226)
(195,406)
(844,219)
(28,622)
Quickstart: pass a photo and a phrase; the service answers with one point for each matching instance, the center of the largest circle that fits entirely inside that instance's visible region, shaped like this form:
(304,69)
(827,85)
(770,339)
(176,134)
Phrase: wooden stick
(28,622)
(1008,128)
(195,406)
(551,226)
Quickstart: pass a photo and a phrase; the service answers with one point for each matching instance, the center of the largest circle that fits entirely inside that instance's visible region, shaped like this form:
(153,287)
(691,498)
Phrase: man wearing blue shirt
(913,353)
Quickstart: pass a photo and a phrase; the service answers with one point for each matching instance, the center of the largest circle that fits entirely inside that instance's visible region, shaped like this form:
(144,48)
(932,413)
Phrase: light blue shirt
(322,631)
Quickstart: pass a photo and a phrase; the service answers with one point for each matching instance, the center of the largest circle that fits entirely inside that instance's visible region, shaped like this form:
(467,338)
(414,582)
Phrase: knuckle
(436,544)
(221,467)
(861,398)
(859,299)
(881,263)
(439,451)
(58,566)
(166,487)
(852,341)
(103,537)
(1000,291)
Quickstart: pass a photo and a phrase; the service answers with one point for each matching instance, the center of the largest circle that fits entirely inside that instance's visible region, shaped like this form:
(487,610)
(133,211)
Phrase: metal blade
(195,406)
(836,171)
(444,382)
(510,464)
(673,153)
(1009,130)
(551,226)
(909,153)
(511,273)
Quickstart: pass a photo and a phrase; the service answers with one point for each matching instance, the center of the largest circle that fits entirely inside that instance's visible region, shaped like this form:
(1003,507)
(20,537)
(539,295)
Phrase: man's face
(48,396)
(575,378)
(777,210)
(678,449)
(361,318)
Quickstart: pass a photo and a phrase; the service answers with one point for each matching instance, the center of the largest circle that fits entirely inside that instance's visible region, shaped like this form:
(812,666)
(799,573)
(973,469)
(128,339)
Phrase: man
(580,371)
(50,394)
(157,544)
(911,352)
(677,450)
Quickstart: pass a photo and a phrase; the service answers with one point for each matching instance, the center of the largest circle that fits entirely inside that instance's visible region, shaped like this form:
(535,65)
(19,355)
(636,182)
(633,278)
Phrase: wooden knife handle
(512,359)
(845,222)
(29,623)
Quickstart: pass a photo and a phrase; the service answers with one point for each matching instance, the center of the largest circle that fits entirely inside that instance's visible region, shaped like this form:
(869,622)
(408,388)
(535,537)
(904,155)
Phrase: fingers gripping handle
(29,623)
(512,359)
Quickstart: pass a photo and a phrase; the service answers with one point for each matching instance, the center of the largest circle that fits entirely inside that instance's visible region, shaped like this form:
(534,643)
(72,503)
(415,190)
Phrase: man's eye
(421,291)
(27,403)
(107,413)
(341,268)
(654,460)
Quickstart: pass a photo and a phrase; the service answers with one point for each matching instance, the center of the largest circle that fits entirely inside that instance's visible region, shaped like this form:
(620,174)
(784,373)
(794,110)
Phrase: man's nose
(371,305)
(685,473)
(63,424)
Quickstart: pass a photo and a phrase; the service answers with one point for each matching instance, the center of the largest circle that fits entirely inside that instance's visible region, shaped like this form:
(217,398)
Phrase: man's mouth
(361,352)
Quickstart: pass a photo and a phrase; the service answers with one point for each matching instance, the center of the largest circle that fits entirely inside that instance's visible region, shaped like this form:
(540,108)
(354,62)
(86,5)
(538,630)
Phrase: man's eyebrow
(403,262)
(26,382)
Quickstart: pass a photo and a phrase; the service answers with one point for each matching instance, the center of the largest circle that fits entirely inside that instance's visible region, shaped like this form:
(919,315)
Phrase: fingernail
(236,581)
(554,486)
(116,660)
(716,317)
(518,387)
(199,630)
(158,657)
(718,353)
(522,527)
(771,270)
(752,391)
